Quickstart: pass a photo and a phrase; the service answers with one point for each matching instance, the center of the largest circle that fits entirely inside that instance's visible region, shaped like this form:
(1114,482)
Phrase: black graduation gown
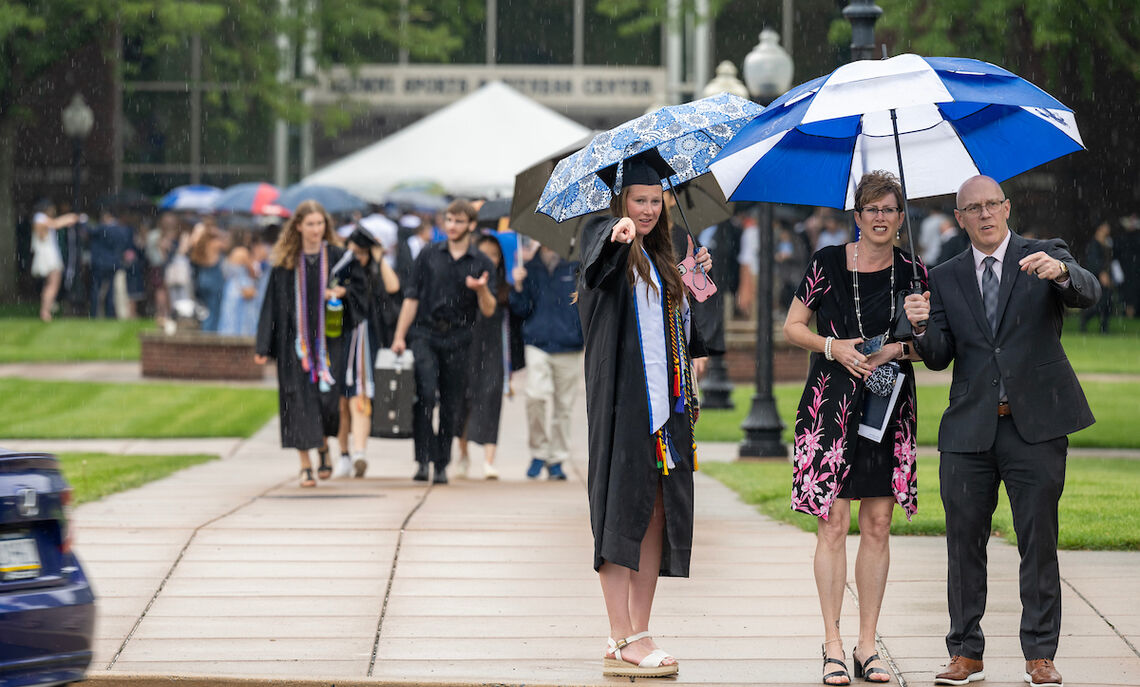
(365,303)
(307,414)
(623,475)
(485,384)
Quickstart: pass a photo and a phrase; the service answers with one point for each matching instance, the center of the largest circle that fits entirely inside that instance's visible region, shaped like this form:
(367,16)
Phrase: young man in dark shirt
(448,283)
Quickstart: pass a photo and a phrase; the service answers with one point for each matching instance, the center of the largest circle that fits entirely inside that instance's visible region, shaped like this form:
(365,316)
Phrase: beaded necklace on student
(855,277)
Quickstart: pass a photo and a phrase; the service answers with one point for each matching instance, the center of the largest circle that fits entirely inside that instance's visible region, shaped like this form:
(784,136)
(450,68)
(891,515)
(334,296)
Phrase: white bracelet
(827,348)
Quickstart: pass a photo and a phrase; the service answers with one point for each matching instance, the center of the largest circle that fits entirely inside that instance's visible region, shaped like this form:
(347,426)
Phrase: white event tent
(474,146)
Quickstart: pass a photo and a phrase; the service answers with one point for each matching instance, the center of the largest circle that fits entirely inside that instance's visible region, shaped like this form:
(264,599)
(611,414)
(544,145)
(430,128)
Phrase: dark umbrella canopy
(334,200)
(525,218)
(702,203)
(494,210)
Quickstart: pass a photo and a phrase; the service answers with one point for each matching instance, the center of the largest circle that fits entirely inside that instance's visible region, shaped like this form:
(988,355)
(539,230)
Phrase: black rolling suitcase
(395,378)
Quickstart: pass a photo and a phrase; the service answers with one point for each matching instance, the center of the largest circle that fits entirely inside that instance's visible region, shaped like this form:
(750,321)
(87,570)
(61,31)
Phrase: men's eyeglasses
(975,209)
(885,212)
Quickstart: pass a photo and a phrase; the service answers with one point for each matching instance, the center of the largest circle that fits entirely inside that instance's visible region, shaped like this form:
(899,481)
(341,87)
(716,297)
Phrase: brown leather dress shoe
(1041,672)
(960,671)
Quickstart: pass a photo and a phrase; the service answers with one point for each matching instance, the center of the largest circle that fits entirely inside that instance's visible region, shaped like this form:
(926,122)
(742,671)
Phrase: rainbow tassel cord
(682,389)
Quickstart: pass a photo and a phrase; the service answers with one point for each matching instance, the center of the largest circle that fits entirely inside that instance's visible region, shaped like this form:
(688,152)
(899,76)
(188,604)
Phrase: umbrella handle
(684,220)
(905,210)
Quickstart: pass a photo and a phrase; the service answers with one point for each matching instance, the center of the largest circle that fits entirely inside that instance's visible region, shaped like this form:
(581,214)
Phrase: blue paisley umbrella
(686,137)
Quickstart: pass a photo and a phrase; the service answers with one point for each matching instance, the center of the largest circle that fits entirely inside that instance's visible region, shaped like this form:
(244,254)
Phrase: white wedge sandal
(650,666)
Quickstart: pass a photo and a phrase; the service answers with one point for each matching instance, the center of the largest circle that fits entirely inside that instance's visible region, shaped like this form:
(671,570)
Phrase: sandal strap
(615,647)
(871,659)
(623,643)
(654,659)
(837,662)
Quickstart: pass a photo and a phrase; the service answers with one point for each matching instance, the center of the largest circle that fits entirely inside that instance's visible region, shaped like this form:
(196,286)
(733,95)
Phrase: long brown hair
(288,246)
(659,244)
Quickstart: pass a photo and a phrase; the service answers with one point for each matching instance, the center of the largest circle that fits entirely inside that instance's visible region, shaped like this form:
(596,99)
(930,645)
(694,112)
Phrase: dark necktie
(989,300)
(990,292)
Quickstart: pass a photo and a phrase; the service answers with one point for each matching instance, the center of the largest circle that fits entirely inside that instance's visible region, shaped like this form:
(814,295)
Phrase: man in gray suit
(997,311)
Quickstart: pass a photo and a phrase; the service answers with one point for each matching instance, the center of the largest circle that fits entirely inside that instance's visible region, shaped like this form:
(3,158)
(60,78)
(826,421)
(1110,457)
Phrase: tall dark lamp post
(78,119)
(716,387)
(768,73)
(862,14)
(77,122)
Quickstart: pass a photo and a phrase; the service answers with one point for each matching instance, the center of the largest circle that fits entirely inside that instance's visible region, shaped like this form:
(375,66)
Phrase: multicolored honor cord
(681,387)
(321,374)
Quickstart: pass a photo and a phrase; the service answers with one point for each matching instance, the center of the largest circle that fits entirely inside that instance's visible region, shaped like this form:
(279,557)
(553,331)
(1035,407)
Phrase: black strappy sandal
(835,673)
(307,478)
(862,671)
(324,470)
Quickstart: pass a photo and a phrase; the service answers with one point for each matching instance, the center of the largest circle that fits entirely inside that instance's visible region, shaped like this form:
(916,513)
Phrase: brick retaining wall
(789,363)
(198,355)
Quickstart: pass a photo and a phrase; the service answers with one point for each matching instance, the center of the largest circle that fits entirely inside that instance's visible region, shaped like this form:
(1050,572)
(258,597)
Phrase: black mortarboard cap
(647,168)
(363,238)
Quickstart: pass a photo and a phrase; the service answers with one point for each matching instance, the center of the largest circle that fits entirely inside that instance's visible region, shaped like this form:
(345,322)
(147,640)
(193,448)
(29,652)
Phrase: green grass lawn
(68,410)
(1117,352)
(1116,406)
(95,475)
(27,339)
(1100,508)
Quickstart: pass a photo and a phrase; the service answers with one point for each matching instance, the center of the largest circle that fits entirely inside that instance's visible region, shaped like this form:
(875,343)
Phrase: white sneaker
(489,471)
(462,467)
(343,467)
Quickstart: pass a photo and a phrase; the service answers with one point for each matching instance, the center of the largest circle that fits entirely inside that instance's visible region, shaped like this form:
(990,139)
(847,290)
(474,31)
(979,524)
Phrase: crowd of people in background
(210,272)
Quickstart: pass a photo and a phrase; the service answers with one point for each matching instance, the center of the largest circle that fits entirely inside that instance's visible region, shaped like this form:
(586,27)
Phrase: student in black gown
(291,330)
(368,284)
(641,406)
(852,290)
(487,374)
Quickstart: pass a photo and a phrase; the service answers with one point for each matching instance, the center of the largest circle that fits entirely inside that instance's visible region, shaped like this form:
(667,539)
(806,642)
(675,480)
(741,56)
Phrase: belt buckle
(1003,408)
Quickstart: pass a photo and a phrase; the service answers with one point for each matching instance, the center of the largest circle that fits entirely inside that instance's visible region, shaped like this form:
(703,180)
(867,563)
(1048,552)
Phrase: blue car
(47,608)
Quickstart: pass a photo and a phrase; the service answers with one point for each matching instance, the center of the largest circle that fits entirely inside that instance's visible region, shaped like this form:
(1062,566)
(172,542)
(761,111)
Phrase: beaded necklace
(855,277)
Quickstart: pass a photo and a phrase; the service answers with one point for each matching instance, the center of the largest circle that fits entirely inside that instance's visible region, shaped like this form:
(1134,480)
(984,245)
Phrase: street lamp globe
(725,81)
(78,119)
(768,68)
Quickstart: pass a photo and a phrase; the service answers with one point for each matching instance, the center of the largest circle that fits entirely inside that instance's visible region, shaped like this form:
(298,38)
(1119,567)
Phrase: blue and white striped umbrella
(955,118)
(193,197)
(686,136)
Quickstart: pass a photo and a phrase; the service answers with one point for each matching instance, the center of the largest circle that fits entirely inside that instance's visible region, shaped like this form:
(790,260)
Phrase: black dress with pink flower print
(827,418)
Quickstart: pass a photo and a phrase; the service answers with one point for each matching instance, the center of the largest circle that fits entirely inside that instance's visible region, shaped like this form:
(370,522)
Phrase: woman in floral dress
(851,290)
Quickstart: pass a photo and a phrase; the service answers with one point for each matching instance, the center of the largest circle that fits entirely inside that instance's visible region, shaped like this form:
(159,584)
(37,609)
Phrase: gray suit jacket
(1045,398)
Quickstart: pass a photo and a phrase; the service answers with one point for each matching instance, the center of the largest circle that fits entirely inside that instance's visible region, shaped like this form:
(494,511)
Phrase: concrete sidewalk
(228,572)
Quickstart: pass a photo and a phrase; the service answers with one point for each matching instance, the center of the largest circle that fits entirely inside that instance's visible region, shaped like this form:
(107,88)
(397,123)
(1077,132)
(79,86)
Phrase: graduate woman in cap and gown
(292,331)
(641,404)
(369,284)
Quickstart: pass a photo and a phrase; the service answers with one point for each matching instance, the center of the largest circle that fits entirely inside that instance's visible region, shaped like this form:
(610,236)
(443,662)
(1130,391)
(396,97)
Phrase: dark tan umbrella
(561,237)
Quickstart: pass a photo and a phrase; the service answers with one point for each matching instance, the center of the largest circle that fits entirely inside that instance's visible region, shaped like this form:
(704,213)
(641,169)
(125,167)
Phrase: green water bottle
(334,318)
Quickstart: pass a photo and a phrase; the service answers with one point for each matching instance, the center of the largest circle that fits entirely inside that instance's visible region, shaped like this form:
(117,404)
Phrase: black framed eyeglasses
(975,209)
(885,212)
